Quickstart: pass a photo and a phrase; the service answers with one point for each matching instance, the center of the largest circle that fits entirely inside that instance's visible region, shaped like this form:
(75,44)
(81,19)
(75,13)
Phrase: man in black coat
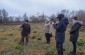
(74,33)
(60,32)
(25,31)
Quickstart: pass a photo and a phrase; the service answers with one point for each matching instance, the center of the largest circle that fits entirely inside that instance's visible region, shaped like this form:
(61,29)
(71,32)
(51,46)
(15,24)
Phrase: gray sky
(31,7)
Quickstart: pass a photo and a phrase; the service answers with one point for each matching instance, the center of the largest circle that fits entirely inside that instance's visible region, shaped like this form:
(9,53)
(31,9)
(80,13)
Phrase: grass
(10,37)
(81,42)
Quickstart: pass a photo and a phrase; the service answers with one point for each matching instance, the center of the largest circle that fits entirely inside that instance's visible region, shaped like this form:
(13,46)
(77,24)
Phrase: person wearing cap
(25,32)
(47,31)
(60,32)
(74,33)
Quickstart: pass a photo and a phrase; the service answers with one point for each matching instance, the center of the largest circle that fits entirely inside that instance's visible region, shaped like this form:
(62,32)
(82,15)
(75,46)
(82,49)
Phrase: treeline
(5,18)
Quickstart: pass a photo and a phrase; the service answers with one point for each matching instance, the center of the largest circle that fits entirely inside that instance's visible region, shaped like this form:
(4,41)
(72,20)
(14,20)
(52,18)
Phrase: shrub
(17,46)
(2,31)
(13,29)
(80,42)
(34,31)
(9,34)
(20,29)
(39,38)
(33,37)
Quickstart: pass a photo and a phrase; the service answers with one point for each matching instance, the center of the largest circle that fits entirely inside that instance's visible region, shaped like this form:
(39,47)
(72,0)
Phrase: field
(10,39)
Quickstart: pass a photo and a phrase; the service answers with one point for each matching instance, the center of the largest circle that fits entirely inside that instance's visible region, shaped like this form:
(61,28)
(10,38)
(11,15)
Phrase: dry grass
(10,37)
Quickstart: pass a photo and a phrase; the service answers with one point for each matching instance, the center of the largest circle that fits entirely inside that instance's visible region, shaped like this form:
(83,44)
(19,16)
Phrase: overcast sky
(32,7)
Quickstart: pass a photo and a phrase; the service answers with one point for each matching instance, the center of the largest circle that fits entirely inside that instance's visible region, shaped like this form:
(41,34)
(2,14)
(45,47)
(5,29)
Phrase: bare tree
(0,17)
(17,19)
(25,17)
(34,19)
(4,16)
(11,19)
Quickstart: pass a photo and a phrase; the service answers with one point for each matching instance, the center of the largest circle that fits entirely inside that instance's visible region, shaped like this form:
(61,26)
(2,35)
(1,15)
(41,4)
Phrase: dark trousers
(74,47)
(59,47)
(47,35)
(22,39)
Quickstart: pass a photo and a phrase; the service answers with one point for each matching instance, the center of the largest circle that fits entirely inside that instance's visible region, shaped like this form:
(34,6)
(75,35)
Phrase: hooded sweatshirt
(60,30)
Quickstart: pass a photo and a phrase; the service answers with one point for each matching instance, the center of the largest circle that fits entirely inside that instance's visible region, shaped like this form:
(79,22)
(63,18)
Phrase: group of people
(60,27)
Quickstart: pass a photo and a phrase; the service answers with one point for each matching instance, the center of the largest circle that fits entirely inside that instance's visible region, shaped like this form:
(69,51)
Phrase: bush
(11,34)
(33,37)
(39,38)
(17,46)
(20,29)
(81,42)
(34,31)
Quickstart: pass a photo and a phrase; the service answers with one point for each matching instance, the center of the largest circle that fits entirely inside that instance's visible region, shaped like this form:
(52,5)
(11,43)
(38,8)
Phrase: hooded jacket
(74,32)
(60,30)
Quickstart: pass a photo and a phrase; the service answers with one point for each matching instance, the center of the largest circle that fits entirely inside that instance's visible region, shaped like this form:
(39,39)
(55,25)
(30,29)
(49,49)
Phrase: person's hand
(55,22)
(52,22)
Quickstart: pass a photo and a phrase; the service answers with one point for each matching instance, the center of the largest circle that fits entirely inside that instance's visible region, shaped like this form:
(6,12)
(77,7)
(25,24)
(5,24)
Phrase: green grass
(81,42)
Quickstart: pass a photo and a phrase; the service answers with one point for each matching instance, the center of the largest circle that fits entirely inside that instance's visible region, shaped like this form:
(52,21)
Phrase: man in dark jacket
(74,33)
(60,32)
(25,31)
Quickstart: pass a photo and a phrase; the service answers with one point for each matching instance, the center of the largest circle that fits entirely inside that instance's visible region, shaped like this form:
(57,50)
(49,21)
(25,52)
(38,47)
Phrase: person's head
(26,21)
(74,20)
(60,16)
